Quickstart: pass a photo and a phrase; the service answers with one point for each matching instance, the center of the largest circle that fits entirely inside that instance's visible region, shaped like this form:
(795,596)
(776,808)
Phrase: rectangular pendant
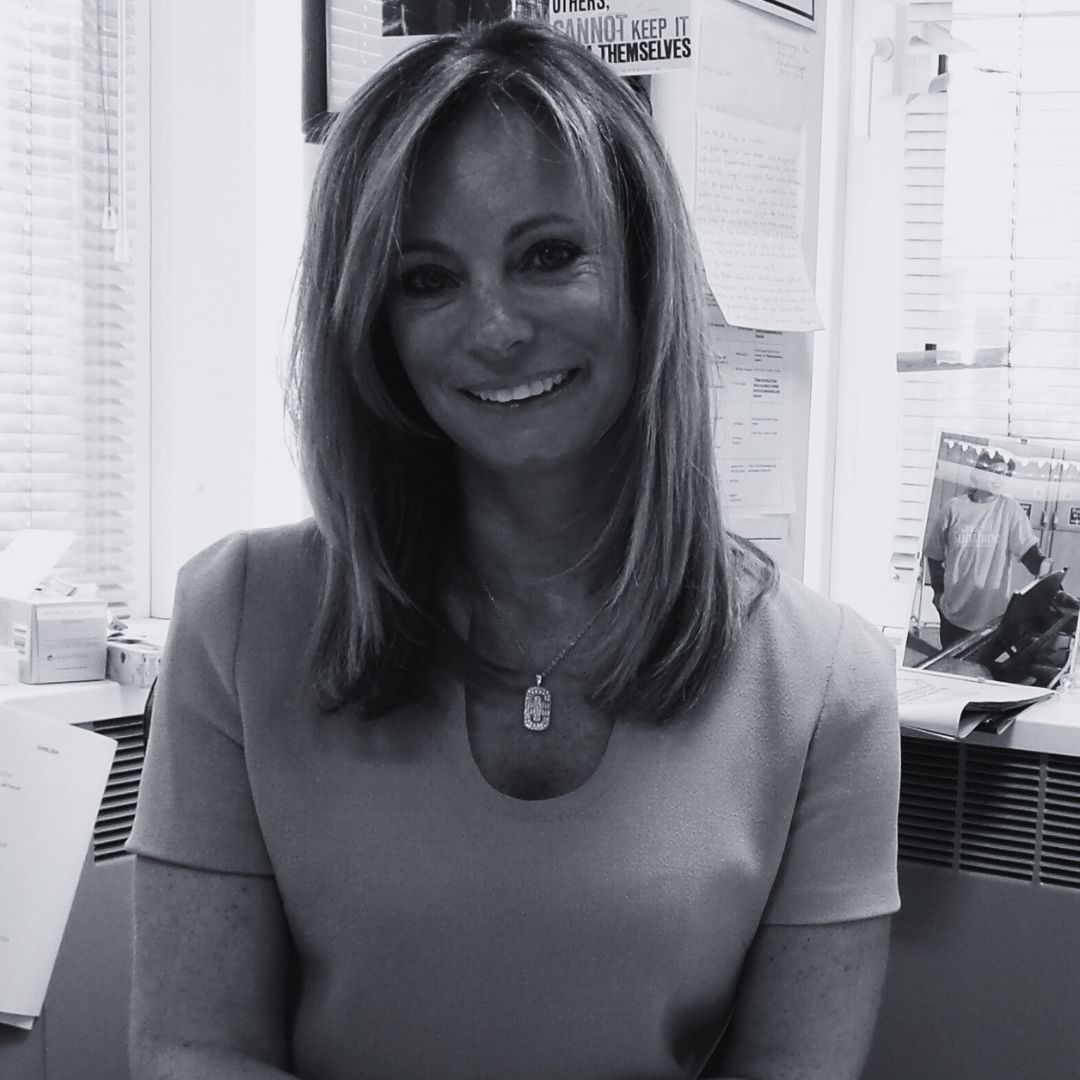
(537,708)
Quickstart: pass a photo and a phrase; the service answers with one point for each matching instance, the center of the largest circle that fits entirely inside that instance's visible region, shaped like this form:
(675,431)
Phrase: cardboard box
(133,661)
(58,639)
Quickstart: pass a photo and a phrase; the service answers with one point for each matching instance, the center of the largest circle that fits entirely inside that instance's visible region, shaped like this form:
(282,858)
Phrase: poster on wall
(995,596)
(637,37)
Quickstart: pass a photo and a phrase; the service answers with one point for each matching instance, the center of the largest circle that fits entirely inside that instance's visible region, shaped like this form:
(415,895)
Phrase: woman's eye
(425,280)
(551,255)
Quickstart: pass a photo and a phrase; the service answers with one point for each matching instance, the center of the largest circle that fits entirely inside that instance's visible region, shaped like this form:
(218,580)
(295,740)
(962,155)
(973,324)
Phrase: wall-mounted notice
(750,175)
(749,213)
(751,405)
(759,69)
(636,37)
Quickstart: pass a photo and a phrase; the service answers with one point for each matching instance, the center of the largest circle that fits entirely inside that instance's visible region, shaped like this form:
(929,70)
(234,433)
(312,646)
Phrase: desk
(1048,727)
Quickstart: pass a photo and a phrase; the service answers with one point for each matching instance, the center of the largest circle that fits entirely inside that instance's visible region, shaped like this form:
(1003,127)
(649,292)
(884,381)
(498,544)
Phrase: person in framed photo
(971,549)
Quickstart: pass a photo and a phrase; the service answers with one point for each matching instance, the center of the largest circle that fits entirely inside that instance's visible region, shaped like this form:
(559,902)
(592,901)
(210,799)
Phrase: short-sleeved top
(444,928)
(978,542)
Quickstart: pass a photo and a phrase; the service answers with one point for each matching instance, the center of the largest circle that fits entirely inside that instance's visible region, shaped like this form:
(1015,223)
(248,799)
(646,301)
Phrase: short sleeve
(934,545)
(839,860)
(195,806)
(1021,534)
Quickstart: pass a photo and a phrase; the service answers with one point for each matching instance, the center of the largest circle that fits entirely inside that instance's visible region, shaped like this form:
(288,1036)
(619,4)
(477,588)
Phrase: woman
(513,764)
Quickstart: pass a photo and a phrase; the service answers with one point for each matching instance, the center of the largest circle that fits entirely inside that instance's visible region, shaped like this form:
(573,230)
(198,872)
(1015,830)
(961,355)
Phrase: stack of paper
(52,777)
(952,707)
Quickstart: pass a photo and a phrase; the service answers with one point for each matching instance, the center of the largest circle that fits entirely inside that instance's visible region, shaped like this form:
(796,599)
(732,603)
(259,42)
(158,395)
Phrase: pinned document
(749,218)
(751,411)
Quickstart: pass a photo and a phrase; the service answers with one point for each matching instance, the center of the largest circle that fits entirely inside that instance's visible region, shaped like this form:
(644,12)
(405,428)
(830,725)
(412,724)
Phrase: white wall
(673,97)
(823,417)
(867,386)
(226,209)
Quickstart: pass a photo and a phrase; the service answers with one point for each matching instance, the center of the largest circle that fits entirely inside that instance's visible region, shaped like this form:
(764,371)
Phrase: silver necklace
(536,715)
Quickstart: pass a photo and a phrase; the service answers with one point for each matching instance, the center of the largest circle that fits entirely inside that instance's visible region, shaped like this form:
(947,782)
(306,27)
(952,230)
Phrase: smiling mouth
(523,393)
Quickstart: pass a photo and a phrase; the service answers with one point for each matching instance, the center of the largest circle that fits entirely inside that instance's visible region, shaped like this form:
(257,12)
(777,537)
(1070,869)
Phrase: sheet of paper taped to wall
(751,408)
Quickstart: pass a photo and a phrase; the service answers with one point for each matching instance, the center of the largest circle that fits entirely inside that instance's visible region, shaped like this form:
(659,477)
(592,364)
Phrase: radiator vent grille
(1060,863)
(117,813)
(929,783)
(996,811)
(1000,813)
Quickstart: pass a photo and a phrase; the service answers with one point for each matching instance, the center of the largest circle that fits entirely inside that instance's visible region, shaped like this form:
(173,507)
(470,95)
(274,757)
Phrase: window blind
(991,315)
(67,297)
(353,30)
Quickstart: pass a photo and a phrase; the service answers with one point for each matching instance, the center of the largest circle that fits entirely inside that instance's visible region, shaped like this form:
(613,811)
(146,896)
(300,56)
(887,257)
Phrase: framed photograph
(995,595)
(800,12)
(315,74)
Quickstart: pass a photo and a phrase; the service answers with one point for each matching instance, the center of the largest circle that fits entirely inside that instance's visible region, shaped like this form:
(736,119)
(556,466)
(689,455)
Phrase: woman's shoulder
(813,657)
(793,607)
(295,542)
(256,590)
(256,560)
(804,624)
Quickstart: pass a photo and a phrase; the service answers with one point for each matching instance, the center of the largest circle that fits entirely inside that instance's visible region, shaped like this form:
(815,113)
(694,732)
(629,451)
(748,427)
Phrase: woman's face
(511,319)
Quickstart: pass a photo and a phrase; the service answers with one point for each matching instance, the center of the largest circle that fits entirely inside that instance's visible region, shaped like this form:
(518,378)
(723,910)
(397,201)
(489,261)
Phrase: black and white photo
(995,595)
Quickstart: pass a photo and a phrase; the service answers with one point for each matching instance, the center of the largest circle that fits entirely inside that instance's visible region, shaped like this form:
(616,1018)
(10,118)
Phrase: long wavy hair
(381,476)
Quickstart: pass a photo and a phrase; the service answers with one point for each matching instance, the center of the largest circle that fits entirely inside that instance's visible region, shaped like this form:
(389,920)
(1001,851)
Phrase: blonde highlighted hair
(380,474)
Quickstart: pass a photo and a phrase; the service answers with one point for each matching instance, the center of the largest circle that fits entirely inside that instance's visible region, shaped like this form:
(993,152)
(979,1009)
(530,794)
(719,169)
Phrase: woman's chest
(413,888)
(523,762)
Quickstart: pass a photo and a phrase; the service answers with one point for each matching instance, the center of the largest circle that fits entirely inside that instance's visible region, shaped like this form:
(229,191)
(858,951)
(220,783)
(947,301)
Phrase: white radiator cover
(984,970)
(82,1032)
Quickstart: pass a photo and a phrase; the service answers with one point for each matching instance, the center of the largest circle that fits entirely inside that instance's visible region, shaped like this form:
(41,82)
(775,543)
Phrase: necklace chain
(521,648)
(537,698)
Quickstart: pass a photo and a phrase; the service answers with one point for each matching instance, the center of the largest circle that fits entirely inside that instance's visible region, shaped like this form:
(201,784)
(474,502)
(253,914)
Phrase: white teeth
(525,390)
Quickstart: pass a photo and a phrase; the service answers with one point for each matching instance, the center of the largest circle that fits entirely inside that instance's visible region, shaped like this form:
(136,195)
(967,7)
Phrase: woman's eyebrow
(538,221)
(428,246)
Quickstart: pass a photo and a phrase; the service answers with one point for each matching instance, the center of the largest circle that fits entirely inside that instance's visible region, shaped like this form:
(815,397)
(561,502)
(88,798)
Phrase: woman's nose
(498,324)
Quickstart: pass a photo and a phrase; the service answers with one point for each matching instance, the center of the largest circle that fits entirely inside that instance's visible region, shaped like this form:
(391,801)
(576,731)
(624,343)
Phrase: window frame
(862,569)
